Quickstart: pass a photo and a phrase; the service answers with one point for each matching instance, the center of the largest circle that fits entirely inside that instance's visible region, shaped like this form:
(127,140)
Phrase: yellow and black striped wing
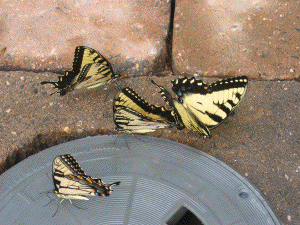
(71,182)
(76,187)
(133,114)
(130,121)
(210,104)
(95,75)
(63,166)
(84,73)
(69,188)
(84,56)
(184,117)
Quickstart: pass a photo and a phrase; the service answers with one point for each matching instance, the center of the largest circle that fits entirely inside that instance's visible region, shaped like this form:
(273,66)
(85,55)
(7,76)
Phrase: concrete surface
(42,37)
(256,38)
(261,140)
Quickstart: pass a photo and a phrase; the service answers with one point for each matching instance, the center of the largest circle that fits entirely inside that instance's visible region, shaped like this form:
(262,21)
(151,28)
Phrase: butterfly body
(90,70)
(182,115)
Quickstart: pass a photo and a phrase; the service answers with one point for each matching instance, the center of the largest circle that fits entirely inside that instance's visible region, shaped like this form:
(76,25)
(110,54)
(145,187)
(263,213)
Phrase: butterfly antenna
(159,86)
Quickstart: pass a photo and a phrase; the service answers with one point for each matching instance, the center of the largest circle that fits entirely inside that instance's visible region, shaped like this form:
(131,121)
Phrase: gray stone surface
(261,141)
(257,38)
(42,36)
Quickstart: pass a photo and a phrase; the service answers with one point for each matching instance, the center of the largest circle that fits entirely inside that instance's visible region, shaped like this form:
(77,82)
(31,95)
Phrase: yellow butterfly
(201,107)
(90,70)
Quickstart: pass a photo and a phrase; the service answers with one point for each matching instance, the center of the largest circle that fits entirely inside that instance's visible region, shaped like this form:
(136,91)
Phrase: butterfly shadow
(60,202)
(56,199)
(125,140)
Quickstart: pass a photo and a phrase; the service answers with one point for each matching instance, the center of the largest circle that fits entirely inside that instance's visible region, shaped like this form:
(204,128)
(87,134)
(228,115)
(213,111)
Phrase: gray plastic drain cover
(162,182)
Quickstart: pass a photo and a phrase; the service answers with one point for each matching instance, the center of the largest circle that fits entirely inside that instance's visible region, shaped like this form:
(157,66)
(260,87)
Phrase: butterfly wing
(133,114)
(74,190)
(130,121)
(84,56)
(183,116)
(63,166)
(85,185)
(213,103)
(96,74)
(83,70)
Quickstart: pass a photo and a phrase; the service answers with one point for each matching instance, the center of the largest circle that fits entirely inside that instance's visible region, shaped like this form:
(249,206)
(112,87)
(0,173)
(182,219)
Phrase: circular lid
(162,182)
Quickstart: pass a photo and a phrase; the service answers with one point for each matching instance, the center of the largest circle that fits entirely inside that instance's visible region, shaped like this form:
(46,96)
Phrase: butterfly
(90,70)
(133,114)
(71,182)
(201,107)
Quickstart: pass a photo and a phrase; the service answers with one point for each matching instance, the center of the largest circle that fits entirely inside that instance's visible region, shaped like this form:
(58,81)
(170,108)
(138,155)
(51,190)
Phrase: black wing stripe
(239,96)
(225,94)
(97,57)
(214,117)
(165,94)
(84,72)
(223,108)
(191,85)
(231,103)
(78,56)
(139,101)
(229,83)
